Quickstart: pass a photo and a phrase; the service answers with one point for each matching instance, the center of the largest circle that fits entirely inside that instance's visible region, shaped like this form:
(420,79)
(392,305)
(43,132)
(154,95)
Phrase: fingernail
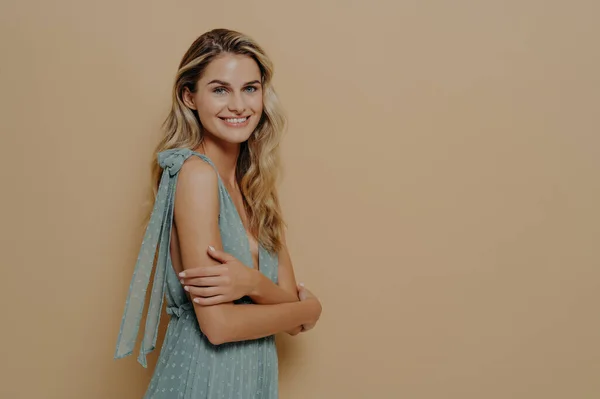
(182,274)
(197,300)
(211,248)
(301,284)
(181,281)
(186,288)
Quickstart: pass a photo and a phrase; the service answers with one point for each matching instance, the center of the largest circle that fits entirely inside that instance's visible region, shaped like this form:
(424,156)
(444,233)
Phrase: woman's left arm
(286,290)
(266,292)
(232,280)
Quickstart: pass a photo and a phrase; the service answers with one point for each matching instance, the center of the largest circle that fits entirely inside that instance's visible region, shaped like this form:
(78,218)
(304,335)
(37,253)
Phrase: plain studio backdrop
(441,186)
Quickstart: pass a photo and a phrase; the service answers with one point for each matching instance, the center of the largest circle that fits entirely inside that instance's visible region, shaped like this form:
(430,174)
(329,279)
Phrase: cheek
(258,109)
(257,104)
(208,107)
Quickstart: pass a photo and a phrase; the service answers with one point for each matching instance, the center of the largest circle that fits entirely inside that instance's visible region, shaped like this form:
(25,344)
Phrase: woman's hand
(305,295)
(227,282)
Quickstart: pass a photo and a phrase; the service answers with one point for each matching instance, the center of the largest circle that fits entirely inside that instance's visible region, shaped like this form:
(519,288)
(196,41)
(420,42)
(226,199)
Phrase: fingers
(295,331)
(221,256)
(202,271)
(302,289)
(203,291)
(213,300)
(204,281)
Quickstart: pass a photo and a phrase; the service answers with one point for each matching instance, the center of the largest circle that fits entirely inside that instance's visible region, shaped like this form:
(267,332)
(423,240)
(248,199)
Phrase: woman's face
(228,98)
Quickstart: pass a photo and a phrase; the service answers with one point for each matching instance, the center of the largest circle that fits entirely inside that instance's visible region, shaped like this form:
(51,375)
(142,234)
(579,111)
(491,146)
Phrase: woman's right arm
(196,214)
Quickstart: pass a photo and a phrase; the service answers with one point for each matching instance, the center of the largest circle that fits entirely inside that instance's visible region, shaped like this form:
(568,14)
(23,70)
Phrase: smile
(236,122)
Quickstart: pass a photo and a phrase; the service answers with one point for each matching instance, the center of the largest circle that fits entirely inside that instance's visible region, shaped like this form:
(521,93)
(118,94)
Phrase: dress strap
(157,236)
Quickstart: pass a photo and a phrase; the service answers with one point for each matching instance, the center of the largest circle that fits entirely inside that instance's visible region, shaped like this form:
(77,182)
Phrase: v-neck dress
(189,366)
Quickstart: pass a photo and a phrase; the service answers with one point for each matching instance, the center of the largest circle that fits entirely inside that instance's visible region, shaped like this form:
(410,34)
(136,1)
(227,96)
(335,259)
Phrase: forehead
(232,68)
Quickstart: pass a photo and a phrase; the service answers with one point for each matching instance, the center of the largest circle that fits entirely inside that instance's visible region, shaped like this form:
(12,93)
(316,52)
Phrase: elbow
(215,338)
(216,335)
(215,327)
(217,323)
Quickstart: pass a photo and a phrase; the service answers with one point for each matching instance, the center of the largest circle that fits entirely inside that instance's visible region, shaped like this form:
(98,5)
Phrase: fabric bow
(172,160)
(156,237)
(179,310)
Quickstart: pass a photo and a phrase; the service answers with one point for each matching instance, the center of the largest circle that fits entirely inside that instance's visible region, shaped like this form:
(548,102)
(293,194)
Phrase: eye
(251,89)
(219,90)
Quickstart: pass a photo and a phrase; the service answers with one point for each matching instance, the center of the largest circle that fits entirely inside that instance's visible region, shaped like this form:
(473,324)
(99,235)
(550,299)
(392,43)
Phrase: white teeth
(236,120)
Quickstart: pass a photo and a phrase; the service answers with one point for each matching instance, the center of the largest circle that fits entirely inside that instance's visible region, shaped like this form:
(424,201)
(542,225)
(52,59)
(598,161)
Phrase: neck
(224,155)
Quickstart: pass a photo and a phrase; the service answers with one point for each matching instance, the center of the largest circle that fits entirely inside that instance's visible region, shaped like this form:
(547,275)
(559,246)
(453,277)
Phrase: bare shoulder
(197,171)
(197,187)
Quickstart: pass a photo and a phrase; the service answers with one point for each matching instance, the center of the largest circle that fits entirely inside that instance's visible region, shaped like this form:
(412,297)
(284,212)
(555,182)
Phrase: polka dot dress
(189,366)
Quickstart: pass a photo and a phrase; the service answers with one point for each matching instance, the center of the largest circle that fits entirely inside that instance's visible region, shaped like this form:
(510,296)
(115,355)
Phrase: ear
(188,98)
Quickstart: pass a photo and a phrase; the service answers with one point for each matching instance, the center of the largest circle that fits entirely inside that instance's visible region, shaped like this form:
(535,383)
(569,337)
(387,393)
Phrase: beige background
(441,187)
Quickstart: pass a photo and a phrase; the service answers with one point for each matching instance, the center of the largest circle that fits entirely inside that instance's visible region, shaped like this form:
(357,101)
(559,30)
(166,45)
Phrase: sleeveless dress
(189,366)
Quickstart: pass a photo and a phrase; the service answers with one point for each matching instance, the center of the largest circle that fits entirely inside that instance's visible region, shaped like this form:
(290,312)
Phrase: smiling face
(228,98)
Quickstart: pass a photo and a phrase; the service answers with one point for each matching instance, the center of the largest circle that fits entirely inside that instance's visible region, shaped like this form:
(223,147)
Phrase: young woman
(222,262)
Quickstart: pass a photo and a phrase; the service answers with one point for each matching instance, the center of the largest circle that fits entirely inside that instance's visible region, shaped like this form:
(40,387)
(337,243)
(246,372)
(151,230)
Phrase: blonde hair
(258,165)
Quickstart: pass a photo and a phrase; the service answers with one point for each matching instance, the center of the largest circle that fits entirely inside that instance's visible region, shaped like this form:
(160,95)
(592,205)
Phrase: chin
(236,134)
(234,137)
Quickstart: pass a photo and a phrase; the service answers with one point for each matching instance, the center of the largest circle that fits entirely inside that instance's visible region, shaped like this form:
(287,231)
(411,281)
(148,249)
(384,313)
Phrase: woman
(222,259)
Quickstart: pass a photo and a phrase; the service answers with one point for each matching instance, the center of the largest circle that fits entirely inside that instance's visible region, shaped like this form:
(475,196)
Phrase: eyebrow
(222,83)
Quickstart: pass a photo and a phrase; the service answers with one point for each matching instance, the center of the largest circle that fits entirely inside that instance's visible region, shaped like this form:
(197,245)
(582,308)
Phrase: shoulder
(197,181)
(197,171)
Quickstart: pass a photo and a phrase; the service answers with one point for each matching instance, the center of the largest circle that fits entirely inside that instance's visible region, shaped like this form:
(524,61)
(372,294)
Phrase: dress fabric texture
(189,366)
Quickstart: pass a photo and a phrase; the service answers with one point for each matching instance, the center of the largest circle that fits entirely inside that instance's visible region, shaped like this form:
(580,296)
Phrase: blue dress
(189,366)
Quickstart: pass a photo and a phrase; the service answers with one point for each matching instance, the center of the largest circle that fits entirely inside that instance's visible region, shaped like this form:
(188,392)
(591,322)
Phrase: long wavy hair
(258,164)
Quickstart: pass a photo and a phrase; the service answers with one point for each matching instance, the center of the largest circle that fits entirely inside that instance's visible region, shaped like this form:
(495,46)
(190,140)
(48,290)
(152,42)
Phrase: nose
(236,103)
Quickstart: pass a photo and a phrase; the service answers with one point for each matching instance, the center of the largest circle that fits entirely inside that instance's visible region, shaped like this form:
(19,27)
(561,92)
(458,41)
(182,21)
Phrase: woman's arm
(231,280)
(286,291)
(242,322)
(267,292)
(196,218)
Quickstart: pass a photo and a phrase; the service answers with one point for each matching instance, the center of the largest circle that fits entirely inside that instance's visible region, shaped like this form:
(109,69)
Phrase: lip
(236,124)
